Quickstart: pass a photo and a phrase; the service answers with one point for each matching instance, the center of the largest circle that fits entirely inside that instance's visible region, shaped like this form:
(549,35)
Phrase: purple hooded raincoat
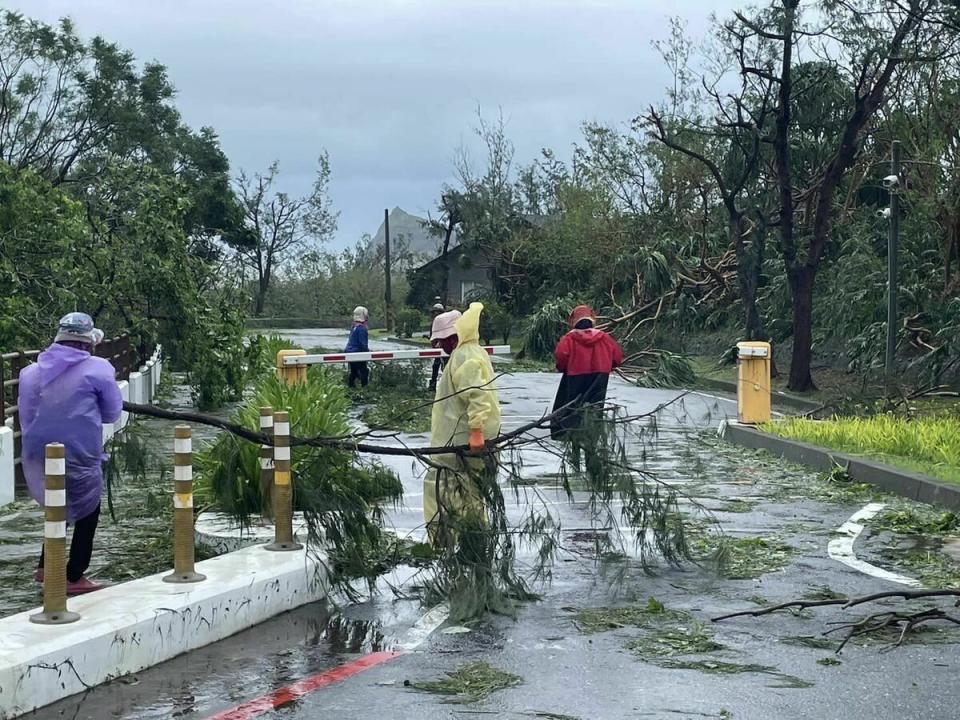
(66,397)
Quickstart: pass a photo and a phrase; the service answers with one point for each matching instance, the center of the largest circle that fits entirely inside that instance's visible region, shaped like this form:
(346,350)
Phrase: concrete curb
(778,398)
(132,626)
(899,482)
(219,533)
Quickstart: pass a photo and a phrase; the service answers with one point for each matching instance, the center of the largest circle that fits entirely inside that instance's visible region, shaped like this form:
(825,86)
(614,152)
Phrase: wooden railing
(117,350)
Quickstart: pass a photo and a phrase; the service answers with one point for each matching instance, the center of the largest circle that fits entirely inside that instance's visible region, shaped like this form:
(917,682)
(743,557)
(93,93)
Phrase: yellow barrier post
(183,549)
(753,382)
(55,541)
(291,374)
(282,489)
(266,465)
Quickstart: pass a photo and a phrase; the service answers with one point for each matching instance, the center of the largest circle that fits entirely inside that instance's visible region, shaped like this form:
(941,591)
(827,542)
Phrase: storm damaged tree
(730,146)
(861,44)
(276,226)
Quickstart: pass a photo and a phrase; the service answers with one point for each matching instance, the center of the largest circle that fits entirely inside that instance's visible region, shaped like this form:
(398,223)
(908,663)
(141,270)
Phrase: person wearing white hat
(359,342)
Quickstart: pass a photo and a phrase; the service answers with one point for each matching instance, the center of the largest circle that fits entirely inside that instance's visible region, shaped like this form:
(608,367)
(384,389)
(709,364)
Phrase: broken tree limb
(877,622)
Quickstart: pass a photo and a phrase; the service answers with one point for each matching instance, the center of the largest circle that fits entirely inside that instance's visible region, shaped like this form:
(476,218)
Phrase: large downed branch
(905,621)
(352,442)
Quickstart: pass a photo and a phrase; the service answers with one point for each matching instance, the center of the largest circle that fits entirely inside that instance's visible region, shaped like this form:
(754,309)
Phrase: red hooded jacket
(581,352)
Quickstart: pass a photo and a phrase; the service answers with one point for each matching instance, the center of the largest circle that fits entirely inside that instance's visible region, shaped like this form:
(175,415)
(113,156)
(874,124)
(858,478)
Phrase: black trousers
(81,547)
(438,365)
(358,371)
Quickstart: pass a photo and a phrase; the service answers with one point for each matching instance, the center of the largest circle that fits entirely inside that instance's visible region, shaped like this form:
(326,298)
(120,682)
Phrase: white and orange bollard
(282,488)
(184,556)
(55,541)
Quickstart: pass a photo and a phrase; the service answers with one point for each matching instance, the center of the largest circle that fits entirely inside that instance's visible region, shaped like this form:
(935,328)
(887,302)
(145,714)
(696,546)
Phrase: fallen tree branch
(874,623)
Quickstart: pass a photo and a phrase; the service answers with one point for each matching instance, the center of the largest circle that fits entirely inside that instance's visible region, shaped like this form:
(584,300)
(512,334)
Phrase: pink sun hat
(444,325)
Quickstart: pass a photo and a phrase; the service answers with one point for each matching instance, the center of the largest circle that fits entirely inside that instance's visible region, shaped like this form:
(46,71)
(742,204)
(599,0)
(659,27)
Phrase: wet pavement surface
(566,673)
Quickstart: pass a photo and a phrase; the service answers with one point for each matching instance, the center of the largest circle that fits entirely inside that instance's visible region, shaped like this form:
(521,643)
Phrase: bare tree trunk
(801,286)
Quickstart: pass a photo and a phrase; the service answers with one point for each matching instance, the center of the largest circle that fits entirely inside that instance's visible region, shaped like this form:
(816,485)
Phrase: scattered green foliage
(931,445)
(738,505)
(743,558)
(689,639)
(917,520)
(810,641)
(930,566)
(471,682)
(594,620)
(828,661)
(823,592)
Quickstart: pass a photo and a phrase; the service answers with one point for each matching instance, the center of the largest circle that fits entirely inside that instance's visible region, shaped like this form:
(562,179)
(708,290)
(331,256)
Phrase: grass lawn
(929,445)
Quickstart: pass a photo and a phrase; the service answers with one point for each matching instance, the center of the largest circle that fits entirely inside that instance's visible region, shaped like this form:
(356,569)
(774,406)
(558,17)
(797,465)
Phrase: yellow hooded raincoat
(465,400)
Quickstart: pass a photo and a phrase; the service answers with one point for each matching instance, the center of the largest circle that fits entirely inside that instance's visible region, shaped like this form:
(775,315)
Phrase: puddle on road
(343,635)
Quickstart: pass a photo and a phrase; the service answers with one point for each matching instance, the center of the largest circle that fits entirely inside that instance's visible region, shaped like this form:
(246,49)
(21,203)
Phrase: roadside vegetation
(927,445)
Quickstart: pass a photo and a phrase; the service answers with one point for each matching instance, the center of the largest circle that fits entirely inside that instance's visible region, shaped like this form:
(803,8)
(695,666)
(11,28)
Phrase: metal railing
(117,350)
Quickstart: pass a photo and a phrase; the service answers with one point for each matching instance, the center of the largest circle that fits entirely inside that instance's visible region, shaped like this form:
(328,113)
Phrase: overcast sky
(390,87)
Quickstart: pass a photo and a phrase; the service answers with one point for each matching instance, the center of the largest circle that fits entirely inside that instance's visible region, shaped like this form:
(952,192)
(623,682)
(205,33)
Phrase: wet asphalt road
(567,674)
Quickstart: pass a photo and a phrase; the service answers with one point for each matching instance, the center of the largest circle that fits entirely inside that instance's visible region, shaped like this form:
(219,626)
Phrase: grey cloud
(390,88)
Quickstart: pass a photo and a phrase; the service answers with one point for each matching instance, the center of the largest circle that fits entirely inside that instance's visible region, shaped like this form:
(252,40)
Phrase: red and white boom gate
(381,356)
(292,364)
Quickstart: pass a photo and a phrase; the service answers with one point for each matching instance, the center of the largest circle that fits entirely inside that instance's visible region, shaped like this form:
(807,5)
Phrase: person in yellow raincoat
(466,411)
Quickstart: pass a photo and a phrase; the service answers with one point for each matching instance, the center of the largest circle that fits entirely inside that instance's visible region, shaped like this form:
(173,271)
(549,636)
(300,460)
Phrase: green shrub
(410,321)
(228,472)
(261,355)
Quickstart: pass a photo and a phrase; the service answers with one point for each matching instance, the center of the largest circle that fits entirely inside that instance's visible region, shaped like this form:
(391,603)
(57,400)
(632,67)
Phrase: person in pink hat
(443,334)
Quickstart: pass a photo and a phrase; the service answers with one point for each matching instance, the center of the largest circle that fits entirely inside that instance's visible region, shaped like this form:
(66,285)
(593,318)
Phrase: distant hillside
(412,230)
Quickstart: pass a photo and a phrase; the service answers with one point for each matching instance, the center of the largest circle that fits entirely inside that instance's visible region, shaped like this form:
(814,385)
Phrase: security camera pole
(893,238)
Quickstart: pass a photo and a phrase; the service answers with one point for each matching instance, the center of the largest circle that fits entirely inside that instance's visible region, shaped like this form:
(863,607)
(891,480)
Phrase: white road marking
(424,627)
(841,548)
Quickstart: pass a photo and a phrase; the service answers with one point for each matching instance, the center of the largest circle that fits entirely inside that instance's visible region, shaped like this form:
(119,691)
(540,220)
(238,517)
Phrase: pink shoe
(83,586)
(38,576)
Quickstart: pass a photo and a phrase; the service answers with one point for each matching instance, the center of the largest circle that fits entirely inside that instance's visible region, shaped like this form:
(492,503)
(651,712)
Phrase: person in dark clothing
(359,342)
(438,363)
(586,357)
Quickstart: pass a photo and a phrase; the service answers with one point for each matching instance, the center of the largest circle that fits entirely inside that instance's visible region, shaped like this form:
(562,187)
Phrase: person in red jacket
(586,357)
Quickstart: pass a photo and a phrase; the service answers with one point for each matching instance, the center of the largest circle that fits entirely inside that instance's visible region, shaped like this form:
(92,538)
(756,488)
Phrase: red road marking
(292,693)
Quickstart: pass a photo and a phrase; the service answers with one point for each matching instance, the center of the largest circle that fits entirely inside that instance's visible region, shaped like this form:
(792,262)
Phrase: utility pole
(893,184)
(387,295)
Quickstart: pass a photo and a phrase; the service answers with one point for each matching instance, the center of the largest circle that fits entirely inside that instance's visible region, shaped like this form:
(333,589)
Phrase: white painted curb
(126,628)
(841,548)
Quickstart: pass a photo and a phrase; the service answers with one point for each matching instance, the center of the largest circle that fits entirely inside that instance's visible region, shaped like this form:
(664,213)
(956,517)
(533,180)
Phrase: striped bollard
(55,541)
(183,554)
(282,491)
(266,465)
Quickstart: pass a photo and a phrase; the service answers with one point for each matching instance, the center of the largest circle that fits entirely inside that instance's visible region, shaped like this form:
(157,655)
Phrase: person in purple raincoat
(66,397)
